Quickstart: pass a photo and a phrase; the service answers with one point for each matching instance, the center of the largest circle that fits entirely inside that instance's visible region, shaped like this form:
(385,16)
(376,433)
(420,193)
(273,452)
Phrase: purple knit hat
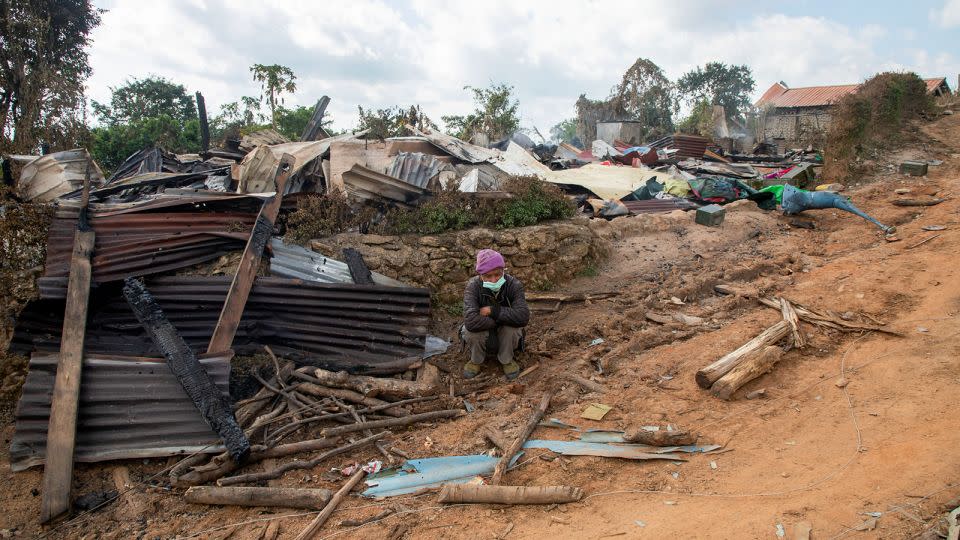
(487,260)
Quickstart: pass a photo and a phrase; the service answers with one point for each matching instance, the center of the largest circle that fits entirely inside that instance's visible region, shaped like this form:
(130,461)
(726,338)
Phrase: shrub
(871,119)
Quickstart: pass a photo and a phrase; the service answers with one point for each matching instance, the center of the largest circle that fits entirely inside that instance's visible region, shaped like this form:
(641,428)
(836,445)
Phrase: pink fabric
(487,260)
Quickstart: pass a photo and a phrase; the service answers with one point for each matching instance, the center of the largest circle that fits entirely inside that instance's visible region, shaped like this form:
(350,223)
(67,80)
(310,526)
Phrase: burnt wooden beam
(198,384)
(239,291)
(358,267)
(314,130)
(204,124)
(62,430)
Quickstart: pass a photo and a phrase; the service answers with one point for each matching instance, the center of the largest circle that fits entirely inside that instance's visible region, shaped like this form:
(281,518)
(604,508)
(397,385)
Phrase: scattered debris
(914,168)
(580,448)
(918,202)
(259,496)
(710,215)
(484,494)
(595,411)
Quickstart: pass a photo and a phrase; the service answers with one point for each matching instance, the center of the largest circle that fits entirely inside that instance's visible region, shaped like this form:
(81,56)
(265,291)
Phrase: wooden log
(239,290)
(375,386)
(204,123)
(709,374)
(331,507)
(587,384)
(392,422)
(259,496)
(348,395)
(314,129)
(790,315)
(357,266)
(525,433)
(62,427)
(753,365)
(299,464)
(659,438)
(272,530)
(918,202)
(482,494)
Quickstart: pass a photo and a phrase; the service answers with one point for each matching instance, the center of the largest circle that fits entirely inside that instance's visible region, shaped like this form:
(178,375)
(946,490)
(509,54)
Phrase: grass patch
(588,271)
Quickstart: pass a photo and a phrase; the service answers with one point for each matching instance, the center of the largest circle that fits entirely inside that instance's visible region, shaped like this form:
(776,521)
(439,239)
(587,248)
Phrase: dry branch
(587,384)
(392,422)
(790,315)
(331,507)
(375,386)
(531,425)
(821,319)
(222,465)
(298,464)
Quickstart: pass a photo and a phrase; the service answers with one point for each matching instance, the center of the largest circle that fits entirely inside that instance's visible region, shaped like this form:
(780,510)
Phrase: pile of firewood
(760,354)
(330,413)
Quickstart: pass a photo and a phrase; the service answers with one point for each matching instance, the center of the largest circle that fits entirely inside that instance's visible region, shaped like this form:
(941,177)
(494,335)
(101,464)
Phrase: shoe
(470,370)
(511,370)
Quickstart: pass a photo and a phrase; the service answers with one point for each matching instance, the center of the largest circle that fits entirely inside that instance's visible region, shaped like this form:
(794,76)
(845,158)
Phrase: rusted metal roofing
(415,168)
(366,184)
(129,408)
(780,96)
(687,146)
(369,329)
(44,178)
(152,236)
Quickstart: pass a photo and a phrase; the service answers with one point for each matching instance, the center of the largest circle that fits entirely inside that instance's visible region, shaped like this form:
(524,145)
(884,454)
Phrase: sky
(385,53)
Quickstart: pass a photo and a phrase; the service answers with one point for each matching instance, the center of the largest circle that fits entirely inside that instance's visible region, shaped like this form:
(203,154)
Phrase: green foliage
(565,131)
(275,80)
(112,144)
(719,84)
(23,240)
(393,121)
(43,66)
(496,115)
(292,122)
(139,99)
(588,271)
(533,201)
(700,120)
(320,216)
(874,117)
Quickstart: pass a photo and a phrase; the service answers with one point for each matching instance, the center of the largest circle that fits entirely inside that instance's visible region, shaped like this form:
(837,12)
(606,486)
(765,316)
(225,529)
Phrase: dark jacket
(508,306)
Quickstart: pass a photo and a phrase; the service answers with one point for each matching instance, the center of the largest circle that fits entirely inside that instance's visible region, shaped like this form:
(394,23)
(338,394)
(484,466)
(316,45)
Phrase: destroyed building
(799,117)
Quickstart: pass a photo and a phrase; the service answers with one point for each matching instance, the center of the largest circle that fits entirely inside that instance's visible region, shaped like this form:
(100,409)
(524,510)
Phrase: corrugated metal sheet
(415,168)
(341,326)
(688,146)
(293,261)
(365,184)
(129,408)
(132,241)
(47,177)
(460,149)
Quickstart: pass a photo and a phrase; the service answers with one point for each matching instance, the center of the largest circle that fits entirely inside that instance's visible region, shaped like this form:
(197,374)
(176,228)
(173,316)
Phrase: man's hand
(485,311)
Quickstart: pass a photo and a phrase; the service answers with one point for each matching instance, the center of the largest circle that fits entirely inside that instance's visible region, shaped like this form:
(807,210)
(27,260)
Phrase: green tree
(719,84)
(139,99)
(700,120)
(43,65)
(112,144)
(393,121)
(646,95)
(496,115)
(565,131)
(275,80)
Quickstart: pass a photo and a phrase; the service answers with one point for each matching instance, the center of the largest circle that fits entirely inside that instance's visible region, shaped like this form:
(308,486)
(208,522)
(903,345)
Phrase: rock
(376,239)
(522,260)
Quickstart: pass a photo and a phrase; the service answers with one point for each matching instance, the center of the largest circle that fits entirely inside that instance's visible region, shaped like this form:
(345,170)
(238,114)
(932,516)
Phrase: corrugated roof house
(801,116)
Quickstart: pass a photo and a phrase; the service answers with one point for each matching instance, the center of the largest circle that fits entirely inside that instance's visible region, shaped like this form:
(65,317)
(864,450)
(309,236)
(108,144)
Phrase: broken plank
(62,429)
(239,290)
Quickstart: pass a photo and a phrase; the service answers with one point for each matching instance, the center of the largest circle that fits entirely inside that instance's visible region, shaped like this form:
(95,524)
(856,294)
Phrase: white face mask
(495,286)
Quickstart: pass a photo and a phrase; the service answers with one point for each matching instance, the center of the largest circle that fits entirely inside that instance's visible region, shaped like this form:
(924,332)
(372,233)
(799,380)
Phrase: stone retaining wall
(541,255)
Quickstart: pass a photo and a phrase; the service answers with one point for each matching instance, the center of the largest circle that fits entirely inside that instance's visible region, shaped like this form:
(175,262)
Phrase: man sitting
(494,312)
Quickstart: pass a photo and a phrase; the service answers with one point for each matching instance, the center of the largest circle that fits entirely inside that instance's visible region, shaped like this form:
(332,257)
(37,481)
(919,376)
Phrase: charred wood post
(214,407)
(358,267)
(314,129)
(204,124)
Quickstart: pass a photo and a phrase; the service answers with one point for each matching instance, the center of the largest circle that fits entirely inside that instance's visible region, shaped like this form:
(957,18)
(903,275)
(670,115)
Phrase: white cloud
(379,53)
(948,16)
